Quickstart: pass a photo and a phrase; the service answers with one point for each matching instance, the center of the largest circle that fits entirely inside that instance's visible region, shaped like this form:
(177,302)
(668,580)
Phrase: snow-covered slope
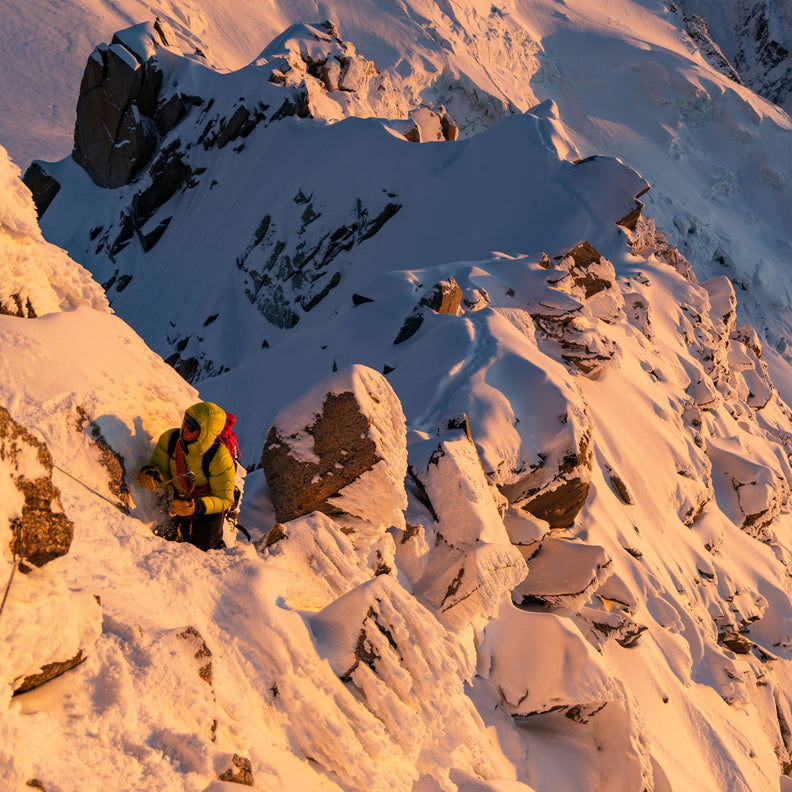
(628,82)
(641,459)
(568,558)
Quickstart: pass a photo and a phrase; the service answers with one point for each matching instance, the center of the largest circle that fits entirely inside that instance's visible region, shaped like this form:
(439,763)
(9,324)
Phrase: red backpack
(229,439)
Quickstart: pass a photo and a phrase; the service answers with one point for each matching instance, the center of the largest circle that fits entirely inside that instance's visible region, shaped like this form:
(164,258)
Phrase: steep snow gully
(512,401)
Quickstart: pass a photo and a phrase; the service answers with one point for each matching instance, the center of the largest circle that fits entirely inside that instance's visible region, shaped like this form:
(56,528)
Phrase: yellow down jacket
(222,469)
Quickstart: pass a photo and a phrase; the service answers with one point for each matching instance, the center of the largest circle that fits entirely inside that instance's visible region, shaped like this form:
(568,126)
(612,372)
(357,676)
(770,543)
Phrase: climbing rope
(17,538)
(90,489)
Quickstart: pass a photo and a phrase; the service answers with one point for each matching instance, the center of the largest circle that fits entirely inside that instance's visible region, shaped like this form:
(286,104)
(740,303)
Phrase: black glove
(149,478)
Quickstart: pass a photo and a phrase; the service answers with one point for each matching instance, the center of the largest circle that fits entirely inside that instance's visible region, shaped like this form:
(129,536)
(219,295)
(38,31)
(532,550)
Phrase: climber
(201,470)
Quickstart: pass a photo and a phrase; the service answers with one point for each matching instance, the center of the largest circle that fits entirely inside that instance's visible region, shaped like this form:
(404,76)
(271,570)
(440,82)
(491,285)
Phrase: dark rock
(344,449)
(445,297)
(330,438)
(170,113)
(114,134)
(735,642)
(559,500)
(240,771)
(560,506)
(168,174)
(42,531)
(147,241)
(620,487)
(202,652)
(586,271)
(43,187)
(450,129)
(700,35)
(48,672)
(110,459)
(21,309)
(233,127)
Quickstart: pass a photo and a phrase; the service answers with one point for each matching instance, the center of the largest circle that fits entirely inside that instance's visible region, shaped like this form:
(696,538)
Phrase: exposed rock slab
(340,448)
(39,530)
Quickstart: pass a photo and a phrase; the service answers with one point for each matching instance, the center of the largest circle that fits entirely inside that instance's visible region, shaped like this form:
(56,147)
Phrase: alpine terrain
(500,297)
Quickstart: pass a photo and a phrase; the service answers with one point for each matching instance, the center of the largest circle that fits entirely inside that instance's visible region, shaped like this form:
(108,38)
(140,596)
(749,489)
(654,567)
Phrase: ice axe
(190,480)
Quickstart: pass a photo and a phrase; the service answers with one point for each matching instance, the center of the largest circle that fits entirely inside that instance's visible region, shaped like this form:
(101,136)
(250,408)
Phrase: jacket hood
(211,419)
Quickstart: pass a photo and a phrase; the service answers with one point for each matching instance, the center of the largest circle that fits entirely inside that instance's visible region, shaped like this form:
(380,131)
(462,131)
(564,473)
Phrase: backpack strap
(172,440)
(208,456)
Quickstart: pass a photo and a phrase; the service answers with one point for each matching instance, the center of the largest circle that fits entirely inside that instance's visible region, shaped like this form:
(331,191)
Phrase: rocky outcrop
(444,297)
(39,530)
(341,448)
(588,297)
(115,135)
(109,458)
(698,30)
(42,185)
(427,125)
(239,772)
(48,671)
(763,54)
(49,628)
(556,490)
(285,278)
(370,639)
(472,564)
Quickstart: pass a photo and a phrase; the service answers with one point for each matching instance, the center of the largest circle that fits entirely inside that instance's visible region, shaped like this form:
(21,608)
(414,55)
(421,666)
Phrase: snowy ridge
(569,560)
(37,277)
(671,559)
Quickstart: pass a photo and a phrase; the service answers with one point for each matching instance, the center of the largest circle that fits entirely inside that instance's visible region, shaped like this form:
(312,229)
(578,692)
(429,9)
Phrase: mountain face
(756,36)
(712,151)
(519,465)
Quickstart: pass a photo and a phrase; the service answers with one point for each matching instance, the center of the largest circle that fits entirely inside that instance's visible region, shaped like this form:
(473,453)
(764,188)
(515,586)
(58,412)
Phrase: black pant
(206,532)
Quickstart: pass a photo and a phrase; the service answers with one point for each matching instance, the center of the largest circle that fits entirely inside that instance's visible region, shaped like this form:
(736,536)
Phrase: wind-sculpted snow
(583,573)
(36,277)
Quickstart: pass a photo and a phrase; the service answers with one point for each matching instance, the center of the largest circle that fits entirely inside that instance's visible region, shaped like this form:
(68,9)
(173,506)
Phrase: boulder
(468,586)
(753,490)
(576,318)
(468,509)
(238,772)
(552,668)
(564,573)
(48,630)
(409,671)
(340,448)
(39,530)
(558,500)
(472,564)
